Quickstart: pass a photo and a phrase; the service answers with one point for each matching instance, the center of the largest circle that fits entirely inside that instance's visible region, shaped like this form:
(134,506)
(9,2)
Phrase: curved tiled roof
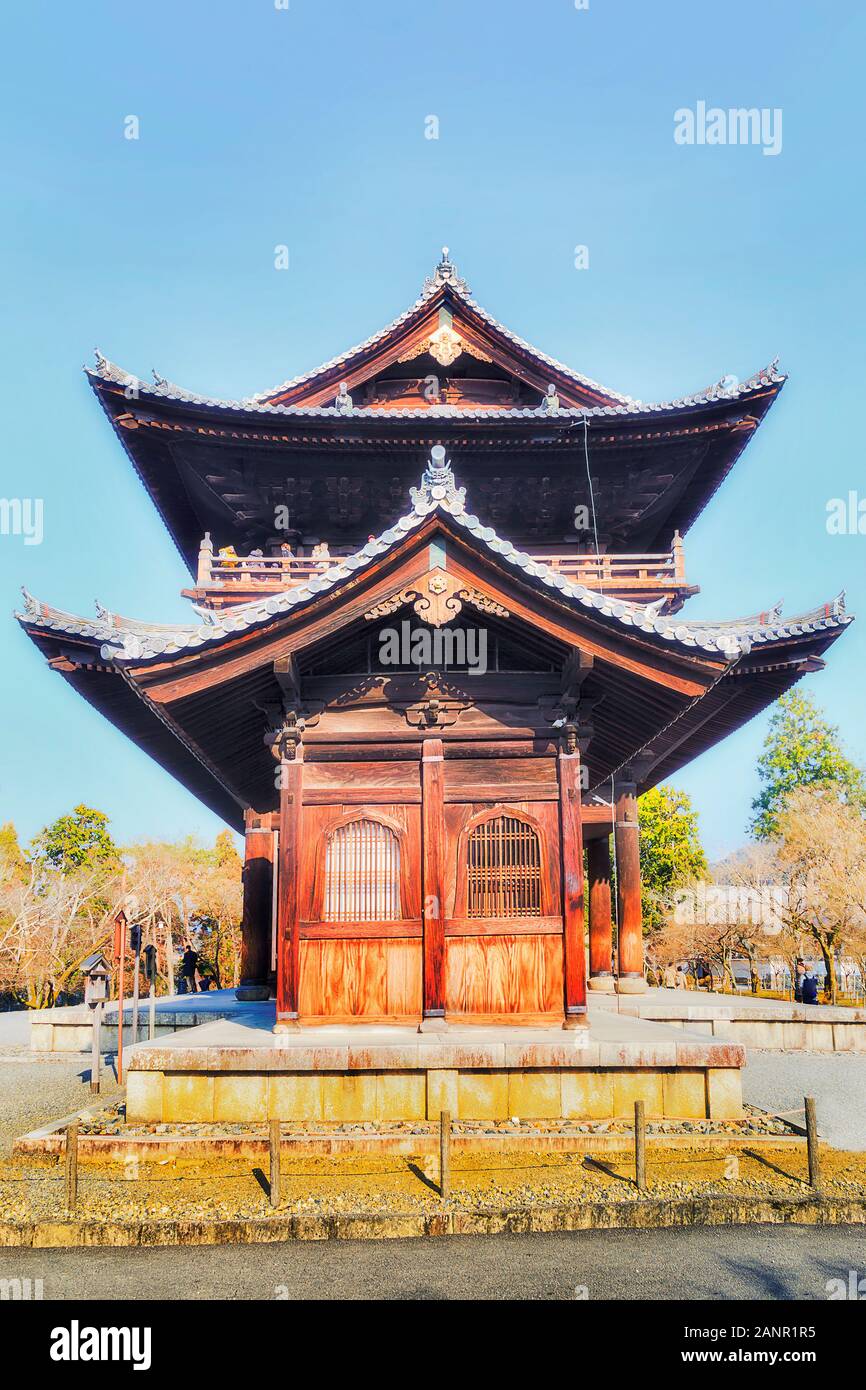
(445,276)
(759,381)
(126,640)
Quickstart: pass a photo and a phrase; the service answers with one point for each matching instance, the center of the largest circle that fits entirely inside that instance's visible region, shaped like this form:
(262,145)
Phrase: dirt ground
(235,1188)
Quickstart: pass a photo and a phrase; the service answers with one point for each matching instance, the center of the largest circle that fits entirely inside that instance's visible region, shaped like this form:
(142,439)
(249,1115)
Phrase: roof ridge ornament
(438,486)
(32,606)
(445,274)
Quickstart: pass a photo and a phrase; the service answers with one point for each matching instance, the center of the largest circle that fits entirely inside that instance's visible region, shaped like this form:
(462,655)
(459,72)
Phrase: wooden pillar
(433,882)
(600,925)
(288,925)
(629,915)
(573,927)
(258,898)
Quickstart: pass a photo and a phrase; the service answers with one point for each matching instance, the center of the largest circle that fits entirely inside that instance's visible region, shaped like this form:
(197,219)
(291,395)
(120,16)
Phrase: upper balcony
(225,578)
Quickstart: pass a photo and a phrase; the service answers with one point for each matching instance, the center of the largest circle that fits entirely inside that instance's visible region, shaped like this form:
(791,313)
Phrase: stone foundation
(343,1097)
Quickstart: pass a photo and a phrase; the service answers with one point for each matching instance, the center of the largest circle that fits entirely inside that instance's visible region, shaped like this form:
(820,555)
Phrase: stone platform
(777,1024)
(237,1071)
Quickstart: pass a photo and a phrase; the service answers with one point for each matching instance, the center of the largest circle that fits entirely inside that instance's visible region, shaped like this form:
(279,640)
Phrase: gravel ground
(779,1081)
(37,1089)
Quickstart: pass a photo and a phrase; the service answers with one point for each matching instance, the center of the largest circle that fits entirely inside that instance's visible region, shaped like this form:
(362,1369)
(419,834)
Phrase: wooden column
(600,925)
(629,915)
(288,926)
(258,897)
(573,931)
(433,881)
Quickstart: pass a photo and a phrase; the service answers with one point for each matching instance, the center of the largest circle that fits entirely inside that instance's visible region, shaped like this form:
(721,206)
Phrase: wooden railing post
(72,1166)
(274,1166)
(679,557)
(813,1151)
(444,1154)
(205,561)
(640,1145)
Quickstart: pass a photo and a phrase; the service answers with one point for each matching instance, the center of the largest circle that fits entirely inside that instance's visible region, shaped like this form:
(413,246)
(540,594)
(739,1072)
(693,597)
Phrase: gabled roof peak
(445,274)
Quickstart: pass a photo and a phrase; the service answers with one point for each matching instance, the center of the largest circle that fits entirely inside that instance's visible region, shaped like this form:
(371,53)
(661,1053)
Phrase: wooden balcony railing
(230,579)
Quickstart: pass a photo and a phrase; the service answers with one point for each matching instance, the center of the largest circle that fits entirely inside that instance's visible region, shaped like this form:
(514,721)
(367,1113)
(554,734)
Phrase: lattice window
(503,869)
(362,873)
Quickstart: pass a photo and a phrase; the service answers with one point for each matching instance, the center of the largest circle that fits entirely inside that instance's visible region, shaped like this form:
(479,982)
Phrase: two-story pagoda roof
(340,445)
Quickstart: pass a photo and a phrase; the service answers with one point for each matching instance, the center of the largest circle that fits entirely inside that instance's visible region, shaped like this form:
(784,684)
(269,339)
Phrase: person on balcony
(286,555)
(228,558)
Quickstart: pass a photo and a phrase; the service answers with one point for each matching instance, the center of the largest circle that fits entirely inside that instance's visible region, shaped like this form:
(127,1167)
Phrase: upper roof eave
(768,378)
(445,285)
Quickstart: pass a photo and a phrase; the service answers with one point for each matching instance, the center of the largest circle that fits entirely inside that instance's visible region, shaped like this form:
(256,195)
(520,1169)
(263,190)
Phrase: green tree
(801,749)
(671,853)
(77,841)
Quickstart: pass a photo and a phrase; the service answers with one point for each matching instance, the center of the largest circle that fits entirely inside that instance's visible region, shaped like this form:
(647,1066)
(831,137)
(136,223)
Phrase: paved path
(15,1028)
(764,1262)
(837,1080)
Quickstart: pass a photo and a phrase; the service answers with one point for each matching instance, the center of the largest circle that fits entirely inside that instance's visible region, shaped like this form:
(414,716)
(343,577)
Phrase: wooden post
(433,881)
(95,1054)
(444,1154)
(629,913)
(120,954)
(812,1143)
(600,924)
(205,561)
(135,975)
(573,925)
(274,1174)
(72,1166)
(678,557)
(258,897)
(640,1145)
(288,926)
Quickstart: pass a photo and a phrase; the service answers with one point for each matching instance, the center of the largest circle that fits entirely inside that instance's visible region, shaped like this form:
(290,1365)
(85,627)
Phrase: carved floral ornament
(444,346)
(437,600)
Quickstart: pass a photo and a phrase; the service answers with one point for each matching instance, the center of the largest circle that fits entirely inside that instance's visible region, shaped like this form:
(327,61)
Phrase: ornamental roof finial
(446,274)
(438,486)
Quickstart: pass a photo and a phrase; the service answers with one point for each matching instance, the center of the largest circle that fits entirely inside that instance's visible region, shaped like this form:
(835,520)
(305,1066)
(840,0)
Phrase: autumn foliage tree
(59,897)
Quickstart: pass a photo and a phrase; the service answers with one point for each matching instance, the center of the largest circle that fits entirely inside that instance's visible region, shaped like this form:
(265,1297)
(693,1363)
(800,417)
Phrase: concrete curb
(643,1214)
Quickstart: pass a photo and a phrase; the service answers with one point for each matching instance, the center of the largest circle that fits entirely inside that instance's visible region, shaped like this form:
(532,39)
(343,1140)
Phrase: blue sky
(306,127)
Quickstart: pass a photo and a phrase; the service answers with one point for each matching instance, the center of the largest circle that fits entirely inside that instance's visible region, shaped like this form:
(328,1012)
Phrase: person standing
(188,967)
(799,972)
(809,985)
